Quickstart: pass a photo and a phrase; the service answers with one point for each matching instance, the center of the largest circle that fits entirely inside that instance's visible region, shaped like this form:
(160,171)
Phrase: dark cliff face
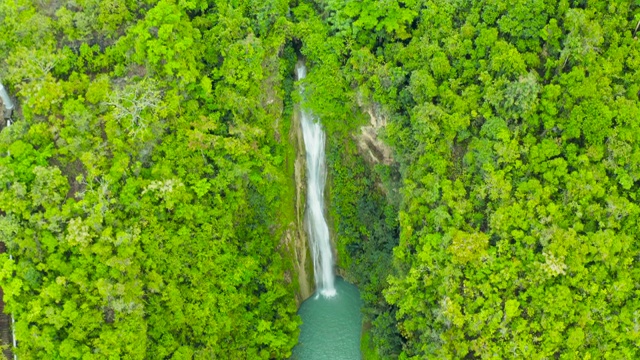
(3,121)
(5,321)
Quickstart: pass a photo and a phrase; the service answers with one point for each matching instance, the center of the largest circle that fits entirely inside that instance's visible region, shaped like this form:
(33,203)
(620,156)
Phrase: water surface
(331,326)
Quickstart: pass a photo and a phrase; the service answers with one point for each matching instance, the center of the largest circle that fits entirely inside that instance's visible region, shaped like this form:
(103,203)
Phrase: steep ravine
(287,131)
(332,318)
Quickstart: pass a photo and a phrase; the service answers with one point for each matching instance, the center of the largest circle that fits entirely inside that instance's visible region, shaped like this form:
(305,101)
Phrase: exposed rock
(370,146)
(302,262)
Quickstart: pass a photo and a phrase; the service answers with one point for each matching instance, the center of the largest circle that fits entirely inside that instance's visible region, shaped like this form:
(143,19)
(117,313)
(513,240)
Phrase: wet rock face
(303,263)
(3,121)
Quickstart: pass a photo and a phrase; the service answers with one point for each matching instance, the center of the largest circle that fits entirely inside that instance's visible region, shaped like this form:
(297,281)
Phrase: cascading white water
(319,242)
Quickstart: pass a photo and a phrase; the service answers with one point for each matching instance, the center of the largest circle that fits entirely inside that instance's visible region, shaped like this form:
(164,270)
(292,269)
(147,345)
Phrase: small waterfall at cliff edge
(314,139)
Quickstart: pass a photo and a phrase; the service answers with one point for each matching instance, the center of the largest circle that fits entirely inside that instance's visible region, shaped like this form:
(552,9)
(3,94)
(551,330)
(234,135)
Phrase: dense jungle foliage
(146,184)
(142,180)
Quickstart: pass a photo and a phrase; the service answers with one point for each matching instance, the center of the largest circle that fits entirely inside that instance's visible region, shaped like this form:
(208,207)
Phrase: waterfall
(314,139)
(6,102)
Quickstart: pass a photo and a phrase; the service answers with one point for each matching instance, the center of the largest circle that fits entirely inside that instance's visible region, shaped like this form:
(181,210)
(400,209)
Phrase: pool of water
(331,326)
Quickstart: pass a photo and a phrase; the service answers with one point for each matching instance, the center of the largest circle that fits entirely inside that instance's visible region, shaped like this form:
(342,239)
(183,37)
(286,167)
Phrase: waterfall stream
(331,321)
(317,228)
